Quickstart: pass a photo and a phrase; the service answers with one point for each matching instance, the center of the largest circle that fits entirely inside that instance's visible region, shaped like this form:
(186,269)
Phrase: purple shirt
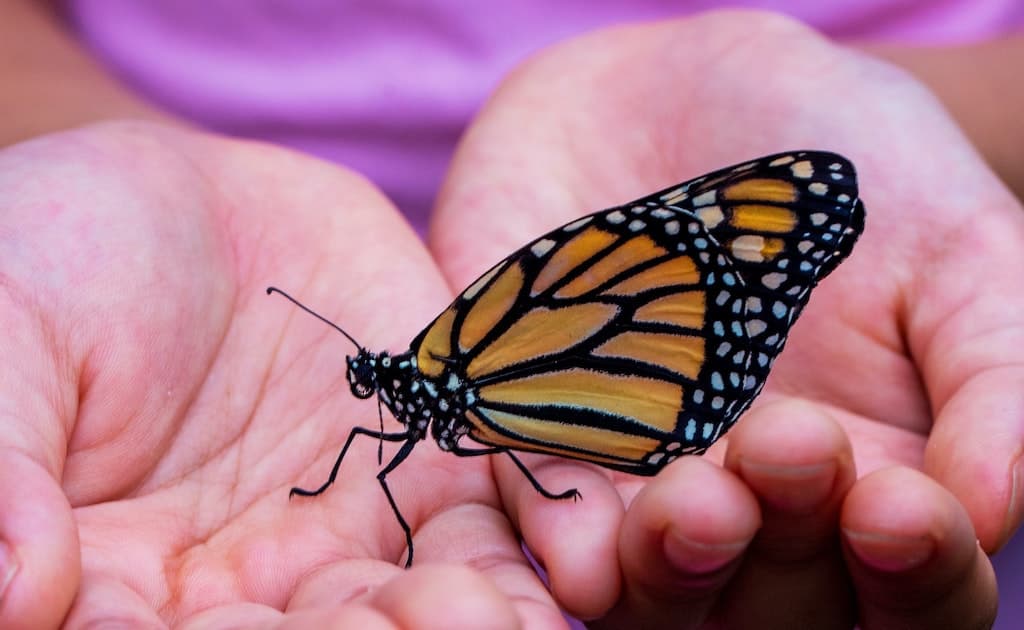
(385,86)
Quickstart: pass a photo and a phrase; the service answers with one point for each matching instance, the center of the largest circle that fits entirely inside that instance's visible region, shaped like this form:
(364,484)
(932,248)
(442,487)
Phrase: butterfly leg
(571,493)
(382,478)
(410,442)
(377,435)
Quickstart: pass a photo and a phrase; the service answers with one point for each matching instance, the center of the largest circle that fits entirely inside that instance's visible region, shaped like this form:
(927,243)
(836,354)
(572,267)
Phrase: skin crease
(164,405)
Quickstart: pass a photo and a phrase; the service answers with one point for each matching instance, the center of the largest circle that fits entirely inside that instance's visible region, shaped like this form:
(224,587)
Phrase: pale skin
(161,405)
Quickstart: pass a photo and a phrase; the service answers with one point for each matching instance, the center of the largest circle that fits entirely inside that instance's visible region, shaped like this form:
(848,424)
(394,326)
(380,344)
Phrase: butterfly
(628,337)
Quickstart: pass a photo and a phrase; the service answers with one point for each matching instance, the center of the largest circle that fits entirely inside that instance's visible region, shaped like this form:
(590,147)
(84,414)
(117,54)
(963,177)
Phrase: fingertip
(891,533)
(798,462)
(9,566)
(680,544)
(901,504)
(912,554)
(789,432)
(691,521)
(574,540)
(985,472)
(41,565)
(447,597)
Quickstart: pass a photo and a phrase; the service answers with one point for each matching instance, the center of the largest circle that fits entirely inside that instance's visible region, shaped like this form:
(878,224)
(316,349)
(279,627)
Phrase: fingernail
(695,557)
(8,567)
(890,553)
(1013,507)
(794,489)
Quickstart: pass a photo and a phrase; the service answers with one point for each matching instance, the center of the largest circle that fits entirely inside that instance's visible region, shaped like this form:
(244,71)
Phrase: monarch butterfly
(626,338)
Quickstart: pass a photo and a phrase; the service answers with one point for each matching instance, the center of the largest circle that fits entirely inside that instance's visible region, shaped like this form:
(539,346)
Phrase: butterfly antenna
(271,290)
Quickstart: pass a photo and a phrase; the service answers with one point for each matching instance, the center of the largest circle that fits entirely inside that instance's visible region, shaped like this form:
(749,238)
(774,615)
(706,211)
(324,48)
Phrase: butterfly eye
(361,376)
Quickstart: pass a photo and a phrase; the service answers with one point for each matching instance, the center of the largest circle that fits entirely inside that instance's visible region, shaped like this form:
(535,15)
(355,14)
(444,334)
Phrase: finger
(966,333)
(798,462)
(573,540)
(680,543)
(341,618)
(39,556)
(481,537)
(104,602)
(911,550)
(471,534)
(251,615)
(445,597)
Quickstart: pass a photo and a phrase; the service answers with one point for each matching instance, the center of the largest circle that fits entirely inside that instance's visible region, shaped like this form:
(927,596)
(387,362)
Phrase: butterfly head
(362,373)
(362,368)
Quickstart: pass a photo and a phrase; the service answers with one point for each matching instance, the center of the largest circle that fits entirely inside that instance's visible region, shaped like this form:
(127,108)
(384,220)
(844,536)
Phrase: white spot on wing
(541,247)
(575,225)
(674,196)
(755,327)
(711,216)
(773,280)
(748,247)
(474,288)
(802,169)
(705,199)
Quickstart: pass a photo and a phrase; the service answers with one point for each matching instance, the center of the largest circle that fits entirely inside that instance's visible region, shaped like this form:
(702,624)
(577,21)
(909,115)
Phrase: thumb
(40,563)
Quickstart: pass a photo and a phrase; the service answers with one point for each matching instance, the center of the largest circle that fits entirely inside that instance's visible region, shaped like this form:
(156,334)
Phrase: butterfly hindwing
(786,220)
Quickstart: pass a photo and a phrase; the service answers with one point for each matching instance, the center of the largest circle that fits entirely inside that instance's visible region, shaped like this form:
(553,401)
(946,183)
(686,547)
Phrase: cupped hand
(158,405)
(912,346)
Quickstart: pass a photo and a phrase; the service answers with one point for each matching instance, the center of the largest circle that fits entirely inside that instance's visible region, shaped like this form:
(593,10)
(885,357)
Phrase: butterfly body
(420,404)
(628,337)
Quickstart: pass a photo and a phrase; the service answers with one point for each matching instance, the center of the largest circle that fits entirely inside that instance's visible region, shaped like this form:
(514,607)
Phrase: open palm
(159,391)
(912,346)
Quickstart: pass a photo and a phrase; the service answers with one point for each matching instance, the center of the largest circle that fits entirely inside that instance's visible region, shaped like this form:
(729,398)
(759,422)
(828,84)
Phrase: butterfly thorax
(415,400)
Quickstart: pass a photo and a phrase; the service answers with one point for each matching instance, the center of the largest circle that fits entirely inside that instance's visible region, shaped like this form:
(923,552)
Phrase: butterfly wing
(640,333)
(786,221)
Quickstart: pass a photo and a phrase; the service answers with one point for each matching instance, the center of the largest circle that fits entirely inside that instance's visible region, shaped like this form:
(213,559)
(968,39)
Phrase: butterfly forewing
(640,333)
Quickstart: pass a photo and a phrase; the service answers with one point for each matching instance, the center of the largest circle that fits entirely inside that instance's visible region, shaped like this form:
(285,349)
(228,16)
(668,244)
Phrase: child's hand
(158,405)
(913,346)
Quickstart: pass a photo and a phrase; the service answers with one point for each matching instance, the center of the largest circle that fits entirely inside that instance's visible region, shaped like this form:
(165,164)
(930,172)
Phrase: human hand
(158,405)
(911,346)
